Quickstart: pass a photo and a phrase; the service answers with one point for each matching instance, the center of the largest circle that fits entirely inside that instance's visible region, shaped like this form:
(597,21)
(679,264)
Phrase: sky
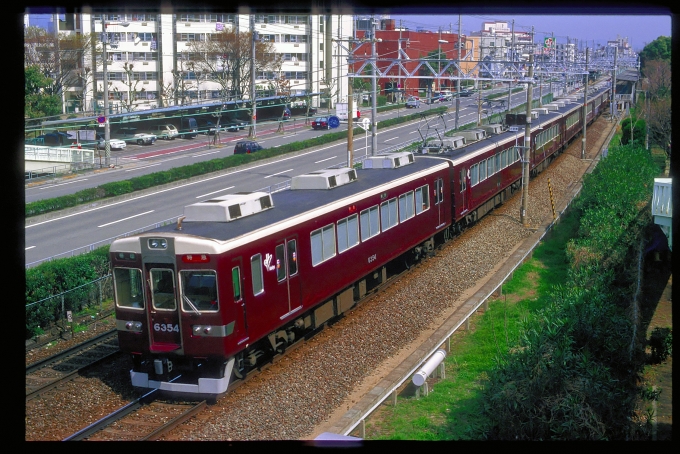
(641,28)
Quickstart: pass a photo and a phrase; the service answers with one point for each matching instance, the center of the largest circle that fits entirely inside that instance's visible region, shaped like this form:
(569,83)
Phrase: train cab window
(323,244)
(236,283)
(256,274)
(199,290)
(163,289)
(128,287)
(292,258)
(422,199)
(388,214)
(348,232)
(406,210)
(369,222)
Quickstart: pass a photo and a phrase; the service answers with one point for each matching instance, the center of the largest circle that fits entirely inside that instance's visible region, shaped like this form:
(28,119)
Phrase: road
(74,233)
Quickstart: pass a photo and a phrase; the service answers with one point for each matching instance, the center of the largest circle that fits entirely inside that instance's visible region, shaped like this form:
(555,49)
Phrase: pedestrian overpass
(41,160)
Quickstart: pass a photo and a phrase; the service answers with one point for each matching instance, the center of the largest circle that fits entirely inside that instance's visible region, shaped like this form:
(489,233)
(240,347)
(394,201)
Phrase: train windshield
(199,290)
(128,287)
(163,289)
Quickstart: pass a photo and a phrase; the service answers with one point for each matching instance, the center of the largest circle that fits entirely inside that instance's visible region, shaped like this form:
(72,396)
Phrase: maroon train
(242,276)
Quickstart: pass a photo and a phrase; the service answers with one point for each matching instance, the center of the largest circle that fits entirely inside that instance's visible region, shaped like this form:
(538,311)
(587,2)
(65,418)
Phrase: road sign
(366,123)
(101,119)
(333,121)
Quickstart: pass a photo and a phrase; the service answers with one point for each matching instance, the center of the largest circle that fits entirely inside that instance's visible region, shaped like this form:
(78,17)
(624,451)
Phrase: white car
(114,144)
(130,134)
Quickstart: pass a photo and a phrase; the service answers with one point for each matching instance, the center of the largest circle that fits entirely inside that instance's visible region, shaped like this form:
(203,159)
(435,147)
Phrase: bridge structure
(41,160)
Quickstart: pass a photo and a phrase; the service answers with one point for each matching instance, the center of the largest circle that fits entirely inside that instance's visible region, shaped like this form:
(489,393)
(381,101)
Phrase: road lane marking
(221,190)
(125,219)
(61,184)
(278,173)
(30,247)
(324,160)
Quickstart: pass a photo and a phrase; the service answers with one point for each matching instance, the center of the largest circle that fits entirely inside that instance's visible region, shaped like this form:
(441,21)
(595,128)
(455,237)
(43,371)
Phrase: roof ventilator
(324,179)
(228,207)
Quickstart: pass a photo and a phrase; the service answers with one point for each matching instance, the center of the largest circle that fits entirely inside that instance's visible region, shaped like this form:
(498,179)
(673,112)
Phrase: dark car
(53,139)
(234,124)
(465,93)
(247,146)
(321,123)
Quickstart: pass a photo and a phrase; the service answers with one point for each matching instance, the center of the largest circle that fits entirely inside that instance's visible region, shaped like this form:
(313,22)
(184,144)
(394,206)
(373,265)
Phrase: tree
(58,57)
(38,101)
(658,84)
(128,99)
(659,49)
(226,59)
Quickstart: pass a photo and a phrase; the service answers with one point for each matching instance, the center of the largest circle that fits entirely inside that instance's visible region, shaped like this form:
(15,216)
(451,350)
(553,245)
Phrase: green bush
(661,342)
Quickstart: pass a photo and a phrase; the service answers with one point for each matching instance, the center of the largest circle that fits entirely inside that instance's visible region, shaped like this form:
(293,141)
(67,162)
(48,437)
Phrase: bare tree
(226,59)
(659,120)
(130,96)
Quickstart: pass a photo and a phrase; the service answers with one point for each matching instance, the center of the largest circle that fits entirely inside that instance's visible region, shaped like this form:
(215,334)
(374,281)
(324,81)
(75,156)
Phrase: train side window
(504,159)
(199,290)
(498,162)
(388,214)
(438,191)
(163,289)
(474,174)
(280,262)
(406,210)
(369,221)
(256,272)
(128,287)
(323,244)
(482,170)
(348,232)
(292,257)
(490,166)
(236,283)
(422,199)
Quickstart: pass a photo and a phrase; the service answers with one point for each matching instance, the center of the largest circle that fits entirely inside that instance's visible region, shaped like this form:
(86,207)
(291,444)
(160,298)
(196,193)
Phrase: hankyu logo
(268,262)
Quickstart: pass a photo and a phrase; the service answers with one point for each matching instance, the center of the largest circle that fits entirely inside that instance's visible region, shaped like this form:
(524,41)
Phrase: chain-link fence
(51,317)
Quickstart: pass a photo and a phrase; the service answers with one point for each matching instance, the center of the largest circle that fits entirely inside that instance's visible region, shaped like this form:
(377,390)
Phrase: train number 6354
(166,327)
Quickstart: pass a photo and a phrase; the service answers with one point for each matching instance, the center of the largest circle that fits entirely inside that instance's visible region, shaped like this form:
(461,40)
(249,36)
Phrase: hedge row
(573,374)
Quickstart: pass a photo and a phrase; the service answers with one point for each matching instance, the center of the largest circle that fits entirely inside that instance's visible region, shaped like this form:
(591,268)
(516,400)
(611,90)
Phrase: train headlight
(202,330)
(197,329)
(158,243)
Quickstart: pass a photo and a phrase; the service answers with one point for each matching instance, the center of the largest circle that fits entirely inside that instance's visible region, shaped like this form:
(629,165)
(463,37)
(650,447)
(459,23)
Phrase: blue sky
(640,29)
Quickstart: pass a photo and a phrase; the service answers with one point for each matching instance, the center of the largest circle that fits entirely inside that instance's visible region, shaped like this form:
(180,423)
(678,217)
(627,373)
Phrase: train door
(241,325)
(439,198)
(287,272)
(464,183)
(165,332)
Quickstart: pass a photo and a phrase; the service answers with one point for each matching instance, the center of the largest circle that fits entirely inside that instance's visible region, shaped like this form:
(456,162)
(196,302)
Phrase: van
(188,128)
(167,132)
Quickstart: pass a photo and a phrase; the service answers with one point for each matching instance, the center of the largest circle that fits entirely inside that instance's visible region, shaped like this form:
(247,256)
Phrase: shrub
(661,342)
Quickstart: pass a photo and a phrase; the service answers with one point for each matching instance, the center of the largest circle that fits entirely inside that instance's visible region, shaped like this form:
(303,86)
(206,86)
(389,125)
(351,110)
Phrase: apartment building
(149,63)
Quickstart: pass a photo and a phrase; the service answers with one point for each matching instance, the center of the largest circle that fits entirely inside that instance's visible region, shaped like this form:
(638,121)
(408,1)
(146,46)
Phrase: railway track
(145,419)
(49,373)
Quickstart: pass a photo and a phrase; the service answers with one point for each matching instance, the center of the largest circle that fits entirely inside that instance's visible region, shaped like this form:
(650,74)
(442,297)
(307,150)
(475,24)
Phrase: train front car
(170,315)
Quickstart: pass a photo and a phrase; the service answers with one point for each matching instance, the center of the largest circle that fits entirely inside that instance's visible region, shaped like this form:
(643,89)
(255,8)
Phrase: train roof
(292,206)
(492,141)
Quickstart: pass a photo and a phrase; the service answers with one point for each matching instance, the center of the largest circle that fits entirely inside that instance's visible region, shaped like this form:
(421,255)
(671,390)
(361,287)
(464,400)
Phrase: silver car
(114,144)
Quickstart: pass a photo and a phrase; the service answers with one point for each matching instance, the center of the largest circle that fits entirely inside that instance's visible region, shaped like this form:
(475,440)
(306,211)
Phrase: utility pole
(526,149)
(460,26)
(350,122)
(374,101)
(585,110)
(253,128)
(512,61)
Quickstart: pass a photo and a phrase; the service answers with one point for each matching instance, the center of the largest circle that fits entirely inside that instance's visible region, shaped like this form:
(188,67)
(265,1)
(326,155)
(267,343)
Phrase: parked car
(247,146)
(209,128)
(52,139)
(412,103)
(114,144)
(130,134)
(167,132)
(234,124)
(286,113)
(321,123)
(466,93)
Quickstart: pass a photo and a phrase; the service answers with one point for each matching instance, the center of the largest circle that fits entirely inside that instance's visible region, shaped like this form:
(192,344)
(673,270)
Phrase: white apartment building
(147,57)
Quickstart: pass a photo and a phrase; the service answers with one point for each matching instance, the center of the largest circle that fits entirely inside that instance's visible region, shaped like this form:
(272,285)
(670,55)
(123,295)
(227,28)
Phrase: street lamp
(107,127)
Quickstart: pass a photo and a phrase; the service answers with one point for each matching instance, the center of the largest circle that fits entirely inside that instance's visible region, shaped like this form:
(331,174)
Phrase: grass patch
(451,411)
